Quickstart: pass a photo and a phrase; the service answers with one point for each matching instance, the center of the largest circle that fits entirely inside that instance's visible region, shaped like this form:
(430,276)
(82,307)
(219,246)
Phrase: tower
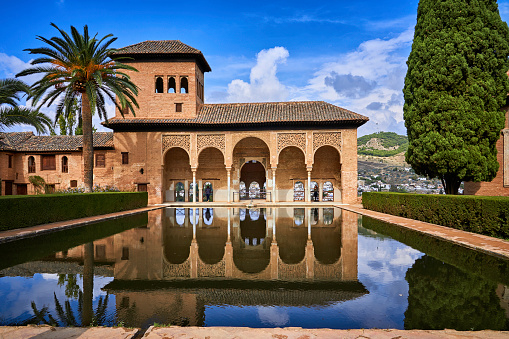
(170,78)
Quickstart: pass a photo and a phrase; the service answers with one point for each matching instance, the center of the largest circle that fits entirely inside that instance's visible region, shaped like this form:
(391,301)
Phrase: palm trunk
(88,145)
(88,284)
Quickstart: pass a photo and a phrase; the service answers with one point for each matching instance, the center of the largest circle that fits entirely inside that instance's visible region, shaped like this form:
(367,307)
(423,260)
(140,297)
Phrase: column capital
(309,168)
(194,169)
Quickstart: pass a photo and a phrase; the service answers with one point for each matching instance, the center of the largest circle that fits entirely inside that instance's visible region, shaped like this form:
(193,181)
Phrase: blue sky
(349,53)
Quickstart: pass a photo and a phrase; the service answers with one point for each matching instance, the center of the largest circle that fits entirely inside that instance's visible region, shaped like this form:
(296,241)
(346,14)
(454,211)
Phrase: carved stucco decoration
(291,139)
(177,140)
(211,140)
(327,139)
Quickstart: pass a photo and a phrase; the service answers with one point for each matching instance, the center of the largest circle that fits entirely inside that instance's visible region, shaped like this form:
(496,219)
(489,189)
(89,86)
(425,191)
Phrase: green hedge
(30,210)
(483,215)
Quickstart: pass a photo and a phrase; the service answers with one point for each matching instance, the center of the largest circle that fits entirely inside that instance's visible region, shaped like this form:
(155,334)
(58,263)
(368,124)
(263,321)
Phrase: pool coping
(483,243)
(32,231)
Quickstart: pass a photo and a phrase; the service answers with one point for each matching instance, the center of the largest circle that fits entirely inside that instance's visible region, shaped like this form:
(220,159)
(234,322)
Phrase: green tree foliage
(454,89)
(11,114)
(78,67)
(442,296)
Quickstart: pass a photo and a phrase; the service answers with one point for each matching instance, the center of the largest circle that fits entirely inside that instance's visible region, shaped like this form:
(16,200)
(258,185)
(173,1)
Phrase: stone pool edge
(45,331)
(492,246)
(29,232)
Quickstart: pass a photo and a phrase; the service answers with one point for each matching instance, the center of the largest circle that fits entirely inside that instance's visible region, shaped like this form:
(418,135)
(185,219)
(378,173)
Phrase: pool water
(273,267)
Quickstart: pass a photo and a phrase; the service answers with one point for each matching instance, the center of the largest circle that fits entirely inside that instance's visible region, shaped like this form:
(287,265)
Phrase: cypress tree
(455,87)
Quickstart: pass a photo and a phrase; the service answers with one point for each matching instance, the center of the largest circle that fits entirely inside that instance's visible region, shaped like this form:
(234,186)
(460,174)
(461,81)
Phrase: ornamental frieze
(211,140)
(291,139)
(327,139)
(176,140)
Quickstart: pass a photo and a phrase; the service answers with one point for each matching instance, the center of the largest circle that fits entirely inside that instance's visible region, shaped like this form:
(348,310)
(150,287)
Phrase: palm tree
(79,67)
(11,114)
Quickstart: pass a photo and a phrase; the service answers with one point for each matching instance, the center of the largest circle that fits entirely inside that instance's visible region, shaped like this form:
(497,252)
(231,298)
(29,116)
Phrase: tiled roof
(267,113)
(158,47)
(28,142)
(171,48)
(9,141)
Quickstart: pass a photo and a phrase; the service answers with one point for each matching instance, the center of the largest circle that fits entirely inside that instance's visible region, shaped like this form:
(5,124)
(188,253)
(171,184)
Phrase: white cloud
(263,84)
(273,316)
(376,71)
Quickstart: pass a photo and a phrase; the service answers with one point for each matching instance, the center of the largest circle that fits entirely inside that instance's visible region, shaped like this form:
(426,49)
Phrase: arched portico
(176,172)
(212,170)
(251,157)
(291,170)
(326,173)
(287,162)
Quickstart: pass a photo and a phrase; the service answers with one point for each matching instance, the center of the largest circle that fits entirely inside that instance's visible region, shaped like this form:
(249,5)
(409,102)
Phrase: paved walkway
(493,246)
(28,232)
(48,332)
(299,333)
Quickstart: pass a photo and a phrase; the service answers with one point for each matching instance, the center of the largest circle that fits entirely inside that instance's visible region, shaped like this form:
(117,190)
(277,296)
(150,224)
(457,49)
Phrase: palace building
(178,148)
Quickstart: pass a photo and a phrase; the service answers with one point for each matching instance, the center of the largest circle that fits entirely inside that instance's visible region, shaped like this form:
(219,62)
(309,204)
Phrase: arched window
(298,191)
(31,164)
(298,216)
(328,191)
(328,216)
(194,214)
(172,85)
(191,191)
(208,192)
(208,216)
(314,191)
(159,85)
(184,85)
(242,190)
(242,214)
(254,190)
(65,165)
(314,215)
(254,214)
(180,216)
(180,192)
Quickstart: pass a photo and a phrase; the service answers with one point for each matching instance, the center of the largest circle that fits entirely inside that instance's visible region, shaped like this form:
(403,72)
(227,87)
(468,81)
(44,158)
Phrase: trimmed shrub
(30,210)
(477,214)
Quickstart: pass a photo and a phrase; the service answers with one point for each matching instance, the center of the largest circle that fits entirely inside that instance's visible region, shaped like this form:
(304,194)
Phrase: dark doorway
(21,189)
(253,173)
(8,187)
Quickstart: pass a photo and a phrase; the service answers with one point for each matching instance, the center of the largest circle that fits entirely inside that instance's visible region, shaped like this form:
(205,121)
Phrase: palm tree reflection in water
(85,315)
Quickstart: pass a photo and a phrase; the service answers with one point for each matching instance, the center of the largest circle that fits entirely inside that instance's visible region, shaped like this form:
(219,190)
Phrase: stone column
(308,190)
(228,172)
(274,184)
(194,184)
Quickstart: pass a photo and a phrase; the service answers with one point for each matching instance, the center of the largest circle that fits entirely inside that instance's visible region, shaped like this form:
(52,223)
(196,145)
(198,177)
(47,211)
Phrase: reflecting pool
(273,267)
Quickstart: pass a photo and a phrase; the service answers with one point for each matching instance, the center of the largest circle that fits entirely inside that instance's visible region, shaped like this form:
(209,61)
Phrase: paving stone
(299,333)
(49,332)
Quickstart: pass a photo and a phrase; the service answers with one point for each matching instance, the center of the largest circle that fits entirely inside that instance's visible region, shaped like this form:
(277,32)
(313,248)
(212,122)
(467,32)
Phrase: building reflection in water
(231,256)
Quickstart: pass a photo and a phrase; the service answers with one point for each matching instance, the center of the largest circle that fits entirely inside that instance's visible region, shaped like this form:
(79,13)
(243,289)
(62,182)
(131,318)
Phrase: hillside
(382,144)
